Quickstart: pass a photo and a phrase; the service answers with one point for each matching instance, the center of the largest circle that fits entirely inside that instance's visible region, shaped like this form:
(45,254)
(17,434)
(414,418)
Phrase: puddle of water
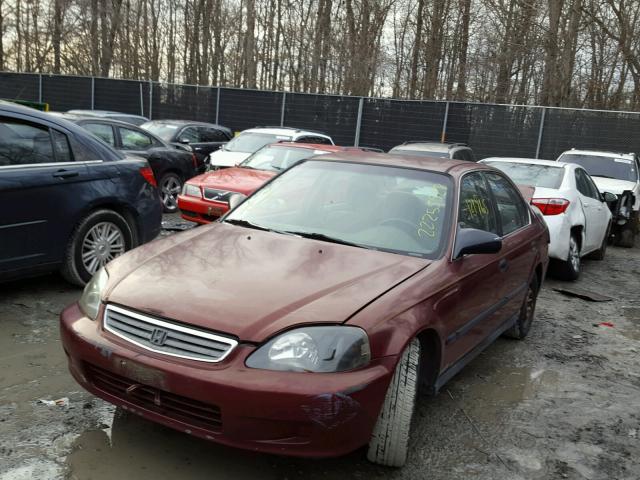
(633,315)
(135,448)
(504,387)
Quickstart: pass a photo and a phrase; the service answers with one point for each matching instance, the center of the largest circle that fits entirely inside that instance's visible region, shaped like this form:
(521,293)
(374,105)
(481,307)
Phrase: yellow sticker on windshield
(428,226)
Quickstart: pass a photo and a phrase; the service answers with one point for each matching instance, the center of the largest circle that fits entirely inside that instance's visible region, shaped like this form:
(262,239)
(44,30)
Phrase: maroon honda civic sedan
(304,321)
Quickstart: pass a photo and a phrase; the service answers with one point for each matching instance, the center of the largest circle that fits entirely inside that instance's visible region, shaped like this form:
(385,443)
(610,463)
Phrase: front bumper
(200,210)
(560,234)
(298,414)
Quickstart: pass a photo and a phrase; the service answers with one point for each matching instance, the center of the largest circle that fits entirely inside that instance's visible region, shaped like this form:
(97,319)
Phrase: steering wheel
(401,224)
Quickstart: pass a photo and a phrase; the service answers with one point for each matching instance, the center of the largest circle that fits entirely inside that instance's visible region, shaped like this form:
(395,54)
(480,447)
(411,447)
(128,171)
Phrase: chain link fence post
(356,141)
(150,100)
(541,131)
(218,106)
(40,88)
(93,93)
(141,100)
(284,102)
(443,136)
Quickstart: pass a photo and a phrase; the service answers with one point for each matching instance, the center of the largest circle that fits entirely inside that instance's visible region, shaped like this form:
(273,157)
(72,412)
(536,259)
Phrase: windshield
(419,153)
(531,174)
(275,158)
(250,142)
(378,207)
(165,131)
(608,167)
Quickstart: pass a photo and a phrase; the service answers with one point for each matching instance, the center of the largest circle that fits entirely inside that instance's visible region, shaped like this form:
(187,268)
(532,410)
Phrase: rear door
(41,185)
(600,220)
(593,211)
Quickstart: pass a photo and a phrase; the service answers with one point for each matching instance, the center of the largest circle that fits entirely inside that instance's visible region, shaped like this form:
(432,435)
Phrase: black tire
(75,270)
(627,238)
(602,251)
(170,185)
(390,438)
(570,268)
(527,313)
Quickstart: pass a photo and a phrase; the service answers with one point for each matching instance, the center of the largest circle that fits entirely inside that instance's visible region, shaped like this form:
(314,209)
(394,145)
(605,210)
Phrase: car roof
(188,122)
(532,161)
(62,122)
(600,153)
(288,131)
(453,167)
(314,146)
(428,146)
(105,113)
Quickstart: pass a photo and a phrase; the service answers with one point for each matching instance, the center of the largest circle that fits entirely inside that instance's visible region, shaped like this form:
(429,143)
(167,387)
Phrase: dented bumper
(289,413)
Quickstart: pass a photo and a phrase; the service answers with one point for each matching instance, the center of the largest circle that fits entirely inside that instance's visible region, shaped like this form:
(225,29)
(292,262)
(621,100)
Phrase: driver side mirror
(609,197)
(235,200)
(184,141)
(471,240)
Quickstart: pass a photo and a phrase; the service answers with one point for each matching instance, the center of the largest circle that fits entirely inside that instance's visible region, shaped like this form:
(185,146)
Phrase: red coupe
(206,197)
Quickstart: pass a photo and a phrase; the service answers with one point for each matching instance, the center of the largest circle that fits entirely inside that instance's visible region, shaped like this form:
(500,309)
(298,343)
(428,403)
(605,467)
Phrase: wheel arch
(430,358)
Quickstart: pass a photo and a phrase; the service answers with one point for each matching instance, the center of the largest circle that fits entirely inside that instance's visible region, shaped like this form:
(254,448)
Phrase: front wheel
(390,438)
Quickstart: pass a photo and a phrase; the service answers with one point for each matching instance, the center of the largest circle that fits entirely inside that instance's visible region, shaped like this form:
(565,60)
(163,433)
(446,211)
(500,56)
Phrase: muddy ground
(563,404)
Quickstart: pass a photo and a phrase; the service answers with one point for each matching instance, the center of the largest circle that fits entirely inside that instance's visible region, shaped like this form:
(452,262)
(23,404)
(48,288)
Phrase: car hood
(613,185)
(251,283)
(243,180)
(223,158)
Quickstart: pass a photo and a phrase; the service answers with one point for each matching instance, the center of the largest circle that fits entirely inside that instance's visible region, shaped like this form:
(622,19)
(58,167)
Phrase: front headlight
(92,294)
(314,349)
(191,190)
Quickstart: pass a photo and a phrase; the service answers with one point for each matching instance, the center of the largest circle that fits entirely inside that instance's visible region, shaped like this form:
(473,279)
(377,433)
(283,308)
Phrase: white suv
(616,173)
(253,139)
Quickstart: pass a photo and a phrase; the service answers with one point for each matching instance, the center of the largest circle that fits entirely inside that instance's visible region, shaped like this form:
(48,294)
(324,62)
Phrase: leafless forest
(575,53)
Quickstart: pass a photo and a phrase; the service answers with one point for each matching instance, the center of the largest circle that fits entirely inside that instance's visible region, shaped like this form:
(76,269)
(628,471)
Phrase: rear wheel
(527,313)
(170,187)
(570,268)
(99,238)
(390,438)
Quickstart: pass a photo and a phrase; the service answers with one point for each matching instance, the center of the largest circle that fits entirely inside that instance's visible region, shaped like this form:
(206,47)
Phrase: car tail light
(195,160)
(147,173)
(551,206)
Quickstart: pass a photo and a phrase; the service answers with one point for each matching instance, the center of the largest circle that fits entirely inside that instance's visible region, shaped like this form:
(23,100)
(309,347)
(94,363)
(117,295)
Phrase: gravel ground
(565,403)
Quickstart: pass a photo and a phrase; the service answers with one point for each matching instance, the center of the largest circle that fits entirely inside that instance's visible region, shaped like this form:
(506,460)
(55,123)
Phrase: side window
(208,134)
(512,210)
(315,140)
(102,131)
(475,204)
(595,193)
(467,155)
(134,140)
(457,155)
(582,183)
(191,134)
(61,147)
(23,143)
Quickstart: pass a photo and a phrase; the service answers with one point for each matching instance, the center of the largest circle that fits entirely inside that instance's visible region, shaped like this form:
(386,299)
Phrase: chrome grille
(216,195)
(165,337)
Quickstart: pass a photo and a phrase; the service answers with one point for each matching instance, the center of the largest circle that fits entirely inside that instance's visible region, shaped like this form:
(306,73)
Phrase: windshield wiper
(605,176)
(245,223)
(327,238)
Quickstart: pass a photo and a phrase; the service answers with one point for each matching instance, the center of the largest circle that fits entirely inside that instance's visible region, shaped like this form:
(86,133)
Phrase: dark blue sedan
(69,201)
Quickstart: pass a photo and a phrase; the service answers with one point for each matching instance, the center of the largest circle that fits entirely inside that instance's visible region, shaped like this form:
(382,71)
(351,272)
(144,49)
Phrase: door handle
(503,265)
(197,149)
(65,174)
